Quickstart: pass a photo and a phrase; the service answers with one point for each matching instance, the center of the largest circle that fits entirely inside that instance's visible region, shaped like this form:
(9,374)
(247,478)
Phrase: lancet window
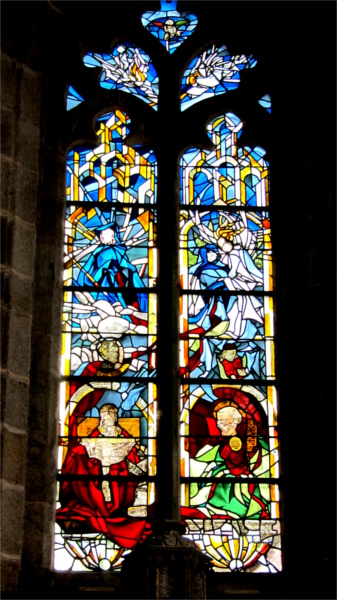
(110,391)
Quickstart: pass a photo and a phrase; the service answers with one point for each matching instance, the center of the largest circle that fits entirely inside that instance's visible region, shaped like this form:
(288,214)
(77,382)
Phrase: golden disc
(235,444)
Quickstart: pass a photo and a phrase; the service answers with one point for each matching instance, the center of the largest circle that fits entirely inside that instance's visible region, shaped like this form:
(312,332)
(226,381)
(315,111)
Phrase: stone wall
(20,136)
(32,205)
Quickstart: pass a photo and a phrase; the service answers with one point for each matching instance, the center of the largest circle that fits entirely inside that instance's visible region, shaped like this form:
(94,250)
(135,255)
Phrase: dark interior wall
(20,144)
(42,45)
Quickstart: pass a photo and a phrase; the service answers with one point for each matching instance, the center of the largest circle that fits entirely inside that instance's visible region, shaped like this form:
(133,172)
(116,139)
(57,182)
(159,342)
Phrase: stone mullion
(168,488)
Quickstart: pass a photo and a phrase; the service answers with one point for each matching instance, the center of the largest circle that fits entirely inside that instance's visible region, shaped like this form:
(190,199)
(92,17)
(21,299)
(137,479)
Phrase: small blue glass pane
(266,102)
(171,27)
(73,98)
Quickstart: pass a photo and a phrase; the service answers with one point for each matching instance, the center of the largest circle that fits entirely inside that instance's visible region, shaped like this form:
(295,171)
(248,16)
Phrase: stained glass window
(229,440)
(107,444)
(228,415)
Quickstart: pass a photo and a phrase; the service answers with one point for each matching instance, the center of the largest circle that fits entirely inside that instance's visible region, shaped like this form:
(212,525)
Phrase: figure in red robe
(90,503)
(232,363)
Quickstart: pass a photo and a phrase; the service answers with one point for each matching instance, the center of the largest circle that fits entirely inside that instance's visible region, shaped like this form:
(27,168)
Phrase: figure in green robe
(241,453)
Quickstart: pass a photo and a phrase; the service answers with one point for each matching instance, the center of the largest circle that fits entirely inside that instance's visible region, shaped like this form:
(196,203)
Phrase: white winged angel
(212,69)
(235,243)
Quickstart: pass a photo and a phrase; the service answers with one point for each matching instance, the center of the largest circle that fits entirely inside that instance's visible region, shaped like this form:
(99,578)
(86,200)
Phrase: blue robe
(109,266)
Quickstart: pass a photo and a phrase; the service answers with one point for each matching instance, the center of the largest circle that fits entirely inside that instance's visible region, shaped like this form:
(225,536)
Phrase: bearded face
(108,418)
(227,419)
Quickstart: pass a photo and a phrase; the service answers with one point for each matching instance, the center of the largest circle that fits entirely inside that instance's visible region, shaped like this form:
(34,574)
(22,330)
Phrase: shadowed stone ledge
(167,566)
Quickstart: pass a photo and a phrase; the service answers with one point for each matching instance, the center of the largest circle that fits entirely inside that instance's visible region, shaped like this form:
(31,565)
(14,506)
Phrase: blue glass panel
(212,73)
(226,356)
(115,336)
(129,69)
(266,102)
(227,175)
(171,27)
(225,251)
(73,98)
(112,171)
(108,248)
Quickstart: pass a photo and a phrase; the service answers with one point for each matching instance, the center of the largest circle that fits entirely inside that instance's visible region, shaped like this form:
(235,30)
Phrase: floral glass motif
(171,27)
(73,98)
(129,69)
(107,443)
(229,440)
(212,73)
